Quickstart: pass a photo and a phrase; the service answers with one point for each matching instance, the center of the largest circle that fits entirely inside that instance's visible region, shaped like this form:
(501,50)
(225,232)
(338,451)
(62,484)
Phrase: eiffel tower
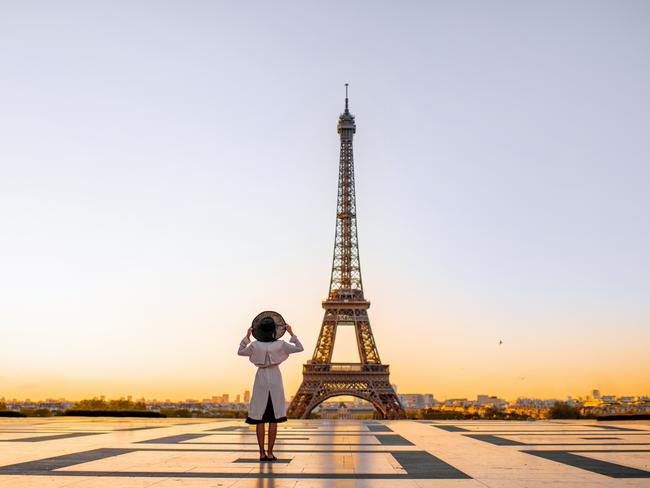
(346,306)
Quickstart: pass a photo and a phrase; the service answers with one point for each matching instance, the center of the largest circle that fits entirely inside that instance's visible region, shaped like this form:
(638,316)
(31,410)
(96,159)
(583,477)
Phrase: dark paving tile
(602,438)
(53,437)
(613,427)
(173,439)
(393,440)
(229,428)
(199,423)
(594,465)
(379,428)
(494,440)
(451,428)
(558,434)
(501,441)
(46,466)
(422,464)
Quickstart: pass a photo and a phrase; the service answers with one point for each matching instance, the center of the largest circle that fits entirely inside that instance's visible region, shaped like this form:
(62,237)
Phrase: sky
(169,169)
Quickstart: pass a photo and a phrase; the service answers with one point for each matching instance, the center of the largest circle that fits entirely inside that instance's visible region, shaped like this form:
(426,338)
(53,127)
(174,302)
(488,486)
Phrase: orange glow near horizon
(455,361)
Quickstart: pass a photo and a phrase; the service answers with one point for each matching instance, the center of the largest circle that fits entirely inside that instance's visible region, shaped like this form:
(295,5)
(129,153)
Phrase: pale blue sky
(168,169)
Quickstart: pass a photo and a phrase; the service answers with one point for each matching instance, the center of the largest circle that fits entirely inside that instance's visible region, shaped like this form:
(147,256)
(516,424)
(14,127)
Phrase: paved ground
(206,453)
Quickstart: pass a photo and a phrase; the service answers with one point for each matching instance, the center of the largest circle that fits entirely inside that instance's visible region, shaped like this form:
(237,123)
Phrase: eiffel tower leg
(302,399)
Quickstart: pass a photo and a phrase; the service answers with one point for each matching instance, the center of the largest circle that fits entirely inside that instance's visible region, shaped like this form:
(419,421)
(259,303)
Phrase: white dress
(268,380)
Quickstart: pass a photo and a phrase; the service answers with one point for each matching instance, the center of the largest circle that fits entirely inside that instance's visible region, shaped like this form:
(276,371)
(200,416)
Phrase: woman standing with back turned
(267,352)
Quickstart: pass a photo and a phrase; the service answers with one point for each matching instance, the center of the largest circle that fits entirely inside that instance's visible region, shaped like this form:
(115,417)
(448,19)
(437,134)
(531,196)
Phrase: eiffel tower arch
(346,306)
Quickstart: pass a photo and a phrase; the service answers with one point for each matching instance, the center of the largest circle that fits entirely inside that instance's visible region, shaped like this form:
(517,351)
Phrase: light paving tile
(194,483)
(354,484)
(35,482)
(109,482)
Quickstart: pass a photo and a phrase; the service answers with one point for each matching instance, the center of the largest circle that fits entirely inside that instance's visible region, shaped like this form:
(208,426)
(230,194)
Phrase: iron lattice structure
(346,306)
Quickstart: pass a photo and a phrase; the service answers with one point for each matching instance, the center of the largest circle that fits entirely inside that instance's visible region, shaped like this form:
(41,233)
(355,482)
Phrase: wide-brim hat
(264,336)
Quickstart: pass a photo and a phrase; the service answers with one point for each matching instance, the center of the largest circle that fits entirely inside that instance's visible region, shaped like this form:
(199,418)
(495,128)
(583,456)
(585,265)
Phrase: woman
(267,352)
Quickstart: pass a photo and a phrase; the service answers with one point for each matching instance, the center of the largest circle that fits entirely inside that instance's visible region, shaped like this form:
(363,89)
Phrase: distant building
(488,401)
(534,403)
(416,401)
(345,411)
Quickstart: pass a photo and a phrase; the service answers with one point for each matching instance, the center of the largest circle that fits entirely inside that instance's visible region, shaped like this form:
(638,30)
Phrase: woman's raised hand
(289,330)
(250,331)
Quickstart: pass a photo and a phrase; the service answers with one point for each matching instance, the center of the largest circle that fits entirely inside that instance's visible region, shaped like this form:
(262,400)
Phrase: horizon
(332,399)
(168,173)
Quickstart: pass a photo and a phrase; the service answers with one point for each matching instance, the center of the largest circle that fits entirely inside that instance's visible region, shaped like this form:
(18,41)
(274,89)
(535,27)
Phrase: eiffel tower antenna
(346,306)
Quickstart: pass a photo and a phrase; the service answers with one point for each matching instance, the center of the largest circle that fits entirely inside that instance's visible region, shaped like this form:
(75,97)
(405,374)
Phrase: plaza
(98,452)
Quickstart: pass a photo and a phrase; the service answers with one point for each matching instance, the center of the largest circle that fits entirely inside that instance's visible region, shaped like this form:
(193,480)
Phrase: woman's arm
(245,348)
(294,344)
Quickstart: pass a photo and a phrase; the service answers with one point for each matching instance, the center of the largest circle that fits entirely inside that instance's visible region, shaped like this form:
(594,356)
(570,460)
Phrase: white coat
(268,380)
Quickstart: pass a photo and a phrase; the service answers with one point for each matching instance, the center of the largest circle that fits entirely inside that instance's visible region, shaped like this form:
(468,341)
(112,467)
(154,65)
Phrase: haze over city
(168,171)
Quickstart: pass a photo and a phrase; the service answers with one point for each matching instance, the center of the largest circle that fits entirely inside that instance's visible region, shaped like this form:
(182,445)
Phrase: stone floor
(130,453)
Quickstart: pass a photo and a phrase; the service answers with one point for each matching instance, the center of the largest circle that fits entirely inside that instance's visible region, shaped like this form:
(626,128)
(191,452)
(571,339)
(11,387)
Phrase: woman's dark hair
(267,324)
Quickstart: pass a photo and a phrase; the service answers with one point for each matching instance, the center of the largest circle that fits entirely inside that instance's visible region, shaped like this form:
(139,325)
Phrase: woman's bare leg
(260,438)
(273,431)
